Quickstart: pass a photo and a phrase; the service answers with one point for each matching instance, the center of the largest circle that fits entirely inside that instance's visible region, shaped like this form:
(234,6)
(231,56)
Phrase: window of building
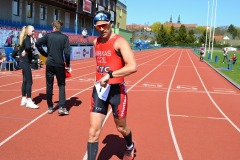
(67,20)
(104,3)
(83,21)
(29,10)
(42,12)
(109,5)
(15,7)
(56,14)
(113,6)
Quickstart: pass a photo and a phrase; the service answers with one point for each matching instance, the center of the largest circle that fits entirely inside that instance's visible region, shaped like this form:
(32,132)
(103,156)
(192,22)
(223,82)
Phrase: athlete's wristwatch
(110,74)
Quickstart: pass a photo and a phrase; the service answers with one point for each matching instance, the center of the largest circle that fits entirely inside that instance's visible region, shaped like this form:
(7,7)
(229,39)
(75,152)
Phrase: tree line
(167,35)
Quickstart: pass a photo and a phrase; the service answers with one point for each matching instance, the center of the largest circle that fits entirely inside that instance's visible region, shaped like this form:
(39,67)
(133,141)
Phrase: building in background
(121,22)
(121,15)
(178,24)
(76,14)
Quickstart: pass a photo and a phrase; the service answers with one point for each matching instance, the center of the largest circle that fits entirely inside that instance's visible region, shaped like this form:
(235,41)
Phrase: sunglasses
(104,26)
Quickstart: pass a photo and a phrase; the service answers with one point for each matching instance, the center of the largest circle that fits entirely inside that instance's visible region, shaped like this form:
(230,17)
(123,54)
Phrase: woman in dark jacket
(25,53)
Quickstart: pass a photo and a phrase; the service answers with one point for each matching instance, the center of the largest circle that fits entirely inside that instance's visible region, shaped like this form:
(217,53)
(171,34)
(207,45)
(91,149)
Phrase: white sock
(29,100)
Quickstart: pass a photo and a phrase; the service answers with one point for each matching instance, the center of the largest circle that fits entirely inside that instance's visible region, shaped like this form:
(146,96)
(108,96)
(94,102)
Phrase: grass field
(233,73)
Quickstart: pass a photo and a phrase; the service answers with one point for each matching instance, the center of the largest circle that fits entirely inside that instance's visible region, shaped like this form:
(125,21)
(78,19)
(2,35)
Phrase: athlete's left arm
(123,47)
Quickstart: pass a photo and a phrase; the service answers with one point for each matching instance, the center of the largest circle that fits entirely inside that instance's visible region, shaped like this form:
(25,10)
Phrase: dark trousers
(27,79)
(225,57)
(60,75)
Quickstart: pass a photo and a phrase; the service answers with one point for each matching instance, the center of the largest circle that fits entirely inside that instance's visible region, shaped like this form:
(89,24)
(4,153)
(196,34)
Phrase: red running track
(179,108)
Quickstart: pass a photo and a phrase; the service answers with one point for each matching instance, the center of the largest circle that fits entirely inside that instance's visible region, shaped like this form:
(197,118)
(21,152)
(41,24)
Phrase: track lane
(147,114)
(28,129)
(73,129)
(197,121)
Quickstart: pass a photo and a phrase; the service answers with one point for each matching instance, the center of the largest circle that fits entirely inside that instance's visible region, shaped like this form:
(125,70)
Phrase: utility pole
(205,48)
(214,27)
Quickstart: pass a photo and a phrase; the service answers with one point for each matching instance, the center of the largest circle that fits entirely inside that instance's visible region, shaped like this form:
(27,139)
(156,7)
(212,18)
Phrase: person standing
(85,35)
(225,55)
(15,56)
(25,54)
(234,58)
(114,60)
(40,35)
(57,47)
(202,51)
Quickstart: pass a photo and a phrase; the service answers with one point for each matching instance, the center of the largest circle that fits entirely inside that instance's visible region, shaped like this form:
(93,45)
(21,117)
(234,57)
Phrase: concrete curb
(227,78)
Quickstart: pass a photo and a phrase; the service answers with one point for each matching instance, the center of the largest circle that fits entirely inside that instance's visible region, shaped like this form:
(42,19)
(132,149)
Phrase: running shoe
(50,110)
(23,102)
(130,154)
(63,111)
(31,104)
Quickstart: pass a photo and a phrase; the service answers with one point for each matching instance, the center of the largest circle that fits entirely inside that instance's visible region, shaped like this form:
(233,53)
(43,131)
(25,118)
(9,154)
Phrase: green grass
(233,74)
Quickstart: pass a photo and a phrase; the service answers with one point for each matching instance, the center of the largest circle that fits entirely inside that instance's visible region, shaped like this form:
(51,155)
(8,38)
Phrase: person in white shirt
(40,35)
(85,35)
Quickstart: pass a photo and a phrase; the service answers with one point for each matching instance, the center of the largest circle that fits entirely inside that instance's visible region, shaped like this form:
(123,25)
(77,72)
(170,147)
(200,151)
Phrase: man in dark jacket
(57,47)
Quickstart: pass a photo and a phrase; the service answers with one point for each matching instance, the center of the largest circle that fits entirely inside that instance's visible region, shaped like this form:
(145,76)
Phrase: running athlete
(202,52)
(115,60)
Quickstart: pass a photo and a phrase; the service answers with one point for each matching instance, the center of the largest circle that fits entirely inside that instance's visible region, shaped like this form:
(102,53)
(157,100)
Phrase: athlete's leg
(96,121)
(123,128)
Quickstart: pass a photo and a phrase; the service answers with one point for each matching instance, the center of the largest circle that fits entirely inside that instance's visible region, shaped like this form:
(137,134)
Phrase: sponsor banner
(87,6)
(81,52)
(76,53)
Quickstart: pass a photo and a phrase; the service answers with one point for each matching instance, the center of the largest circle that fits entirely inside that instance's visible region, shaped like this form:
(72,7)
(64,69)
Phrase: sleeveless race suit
(109,60)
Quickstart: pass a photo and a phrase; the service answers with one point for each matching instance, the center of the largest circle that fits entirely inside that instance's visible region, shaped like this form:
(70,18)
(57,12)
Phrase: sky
(146,12)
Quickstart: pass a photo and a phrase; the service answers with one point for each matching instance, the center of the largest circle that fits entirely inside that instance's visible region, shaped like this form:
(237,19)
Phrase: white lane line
(110,111)
(186,87)
(24,127)
(224,91)
(34,120)
(224,115)
(15,118)
(44,88)
(187,116)
(168,113)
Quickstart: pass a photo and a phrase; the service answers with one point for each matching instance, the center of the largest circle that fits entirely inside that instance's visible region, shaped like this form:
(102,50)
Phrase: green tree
(172,35)
(167,27)
(162,37)
(200,29)
(238,32)
(232,30)
(202,39)
(182,35)
(191,38)
(155,27)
